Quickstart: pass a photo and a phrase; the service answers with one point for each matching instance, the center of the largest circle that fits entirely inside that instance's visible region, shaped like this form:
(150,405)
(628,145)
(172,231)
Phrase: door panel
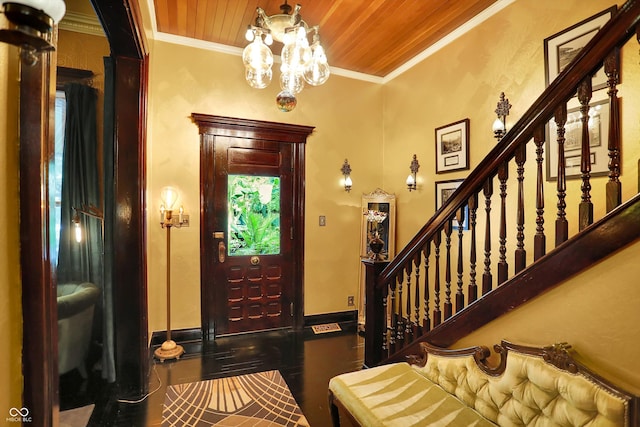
(252,204)
(246,286)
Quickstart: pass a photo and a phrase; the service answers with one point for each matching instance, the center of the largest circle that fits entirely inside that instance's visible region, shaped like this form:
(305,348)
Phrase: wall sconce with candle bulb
(500,123)
(412,178)
(346,171)
(169,195)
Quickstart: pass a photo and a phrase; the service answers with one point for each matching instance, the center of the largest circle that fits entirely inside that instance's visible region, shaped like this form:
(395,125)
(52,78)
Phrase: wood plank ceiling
(368,36)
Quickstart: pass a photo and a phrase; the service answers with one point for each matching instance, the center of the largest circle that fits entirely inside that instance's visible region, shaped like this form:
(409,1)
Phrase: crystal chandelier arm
(296,18)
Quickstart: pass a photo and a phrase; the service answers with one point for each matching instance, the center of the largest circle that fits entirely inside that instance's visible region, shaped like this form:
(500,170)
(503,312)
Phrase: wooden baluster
(417,330)
(459,294)
(487,278)
(447,291)
(393,318)
(400,315)
(408,324)
(503,266)
(385,330)
(426,322)
(562,227)
(437,314)
(539,240)
(520,261)
(614,187)
(585,209)
(473,213)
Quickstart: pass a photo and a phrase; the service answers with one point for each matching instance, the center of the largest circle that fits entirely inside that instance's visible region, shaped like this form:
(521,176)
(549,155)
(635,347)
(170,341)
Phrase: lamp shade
(169,196)
(55,9)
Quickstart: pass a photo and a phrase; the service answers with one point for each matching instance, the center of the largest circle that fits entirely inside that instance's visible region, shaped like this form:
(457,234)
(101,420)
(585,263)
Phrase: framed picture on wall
(452,147)
(561,48)
(444,190)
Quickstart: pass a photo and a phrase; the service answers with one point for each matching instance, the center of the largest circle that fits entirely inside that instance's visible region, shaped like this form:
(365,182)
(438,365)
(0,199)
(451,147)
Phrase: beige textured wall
(10,282)
(347,116)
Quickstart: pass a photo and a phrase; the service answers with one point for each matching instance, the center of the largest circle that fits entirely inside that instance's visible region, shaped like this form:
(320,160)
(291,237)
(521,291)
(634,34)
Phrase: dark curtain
(81,190)
(108,358)
(80,187)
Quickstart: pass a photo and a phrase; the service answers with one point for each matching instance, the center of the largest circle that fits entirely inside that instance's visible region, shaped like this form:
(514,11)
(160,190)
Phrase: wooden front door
(252,227)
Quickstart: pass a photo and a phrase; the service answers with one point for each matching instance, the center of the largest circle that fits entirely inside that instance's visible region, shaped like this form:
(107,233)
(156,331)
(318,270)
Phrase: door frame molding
(122,23)
(211,126)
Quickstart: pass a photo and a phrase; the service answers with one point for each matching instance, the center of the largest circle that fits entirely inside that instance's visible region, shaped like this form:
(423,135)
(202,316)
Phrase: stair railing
(412,295)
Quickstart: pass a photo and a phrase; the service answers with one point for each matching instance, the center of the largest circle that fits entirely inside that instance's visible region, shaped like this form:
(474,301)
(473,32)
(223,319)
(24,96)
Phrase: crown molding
(81,23)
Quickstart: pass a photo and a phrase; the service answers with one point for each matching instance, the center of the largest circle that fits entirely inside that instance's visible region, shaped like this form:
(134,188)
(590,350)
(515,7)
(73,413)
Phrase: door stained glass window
(254,215)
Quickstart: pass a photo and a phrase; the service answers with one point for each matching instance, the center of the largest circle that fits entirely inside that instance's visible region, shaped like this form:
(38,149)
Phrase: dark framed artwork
(561,48)
(452,147)
(444,190)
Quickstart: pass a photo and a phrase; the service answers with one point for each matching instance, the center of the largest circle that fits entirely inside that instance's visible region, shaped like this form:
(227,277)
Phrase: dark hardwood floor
(306,361)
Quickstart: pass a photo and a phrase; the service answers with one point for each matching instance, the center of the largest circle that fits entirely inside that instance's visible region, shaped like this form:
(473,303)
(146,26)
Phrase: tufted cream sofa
(529,387)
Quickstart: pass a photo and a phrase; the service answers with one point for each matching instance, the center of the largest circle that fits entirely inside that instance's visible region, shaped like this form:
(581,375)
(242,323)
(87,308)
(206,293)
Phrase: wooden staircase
(409,300)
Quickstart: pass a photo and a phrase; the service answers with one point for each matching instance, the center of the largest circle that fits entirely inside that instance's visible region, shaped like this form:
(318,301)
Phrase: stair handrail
(615,33)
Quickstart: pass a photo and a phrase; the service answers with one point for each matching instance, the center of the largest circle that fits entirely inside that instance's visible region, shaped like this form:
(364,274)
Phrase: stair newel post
(416,327)
(585,209)
(426,322)
(448,307)
(375,346)
(473,213)
(539,239)
(503,266)
(562,226)
(614,186)
(437,314)
(520,261)
(459,294)
(487,278)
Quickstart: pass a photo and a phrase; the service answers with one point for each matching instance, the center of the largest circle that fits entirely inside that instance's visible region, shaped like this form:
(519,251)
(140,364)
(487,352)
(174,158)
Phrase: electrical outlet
(322,220)
(350,301)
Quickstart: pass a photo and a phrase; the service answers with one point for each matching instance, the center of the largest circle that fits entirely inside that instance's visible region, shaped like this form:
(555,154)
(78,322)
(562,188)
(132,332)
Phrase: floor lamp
(169,349)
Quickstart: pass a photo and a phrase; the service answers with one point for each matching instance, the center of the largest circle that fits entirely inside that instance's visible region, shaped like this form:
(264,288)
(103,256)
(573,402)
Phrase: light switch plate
(322,220)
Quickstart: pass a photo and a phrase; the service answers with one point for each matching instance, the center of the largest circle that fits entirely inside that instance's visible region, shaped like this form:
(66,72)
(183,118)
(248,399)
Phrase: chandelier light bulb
(318,71)
(250,34)
(291,82)
(257,55)
(258,79)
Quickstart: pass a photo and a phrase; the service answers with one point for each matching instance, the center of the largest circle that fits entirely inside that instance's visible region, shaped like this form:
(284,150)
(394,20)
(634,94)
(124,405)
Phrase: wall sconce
(500,124)
(169,349)
(411,179)
(31,25)
(346,171)
(90,211)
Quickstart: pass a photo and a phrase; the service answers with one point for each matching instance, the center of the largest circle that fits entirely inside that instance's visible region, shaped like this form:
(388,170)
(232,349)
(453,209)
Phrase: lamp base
(169,350)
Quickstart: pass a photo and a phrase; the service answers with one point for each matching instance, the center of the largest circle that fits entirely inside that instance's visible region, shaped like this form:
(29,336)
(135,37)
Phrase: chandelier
(301,63)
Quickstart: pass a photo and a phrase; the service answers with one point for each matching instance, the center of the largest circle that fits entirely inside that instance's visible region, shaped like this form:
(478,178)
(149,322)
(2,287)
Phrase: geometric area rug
(261,399)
